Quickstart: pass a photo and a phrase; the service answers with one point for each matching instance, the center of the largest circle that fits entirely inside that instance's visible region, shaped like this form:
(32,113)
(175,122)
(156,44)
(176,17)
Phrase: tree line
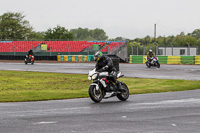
(14,26)
(182,39)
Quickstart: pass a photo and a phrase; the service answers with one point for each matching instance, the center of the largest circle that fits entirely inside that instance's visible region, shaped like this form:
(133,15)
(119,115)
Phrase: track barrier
(75,58)
(88,58)
(197,60)
(21,57)
(188,60)
(173,60)
(168,59)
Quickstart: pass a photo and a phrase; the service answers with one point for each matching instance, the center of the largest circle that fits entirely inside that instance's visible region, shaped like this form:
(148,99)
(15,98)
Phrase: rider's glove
(105,68)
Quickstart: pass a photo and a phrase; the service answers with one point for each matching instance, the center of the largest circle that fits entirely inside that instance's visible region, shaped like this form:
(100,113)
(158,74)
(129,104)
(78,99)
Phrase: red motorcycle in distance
(29,59)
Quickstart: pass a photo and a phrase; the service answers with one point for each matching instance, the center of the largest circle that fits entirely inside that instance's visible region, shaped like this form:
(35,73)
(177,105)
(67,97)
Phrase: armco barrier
(197,60)
(187,60)
(173,60)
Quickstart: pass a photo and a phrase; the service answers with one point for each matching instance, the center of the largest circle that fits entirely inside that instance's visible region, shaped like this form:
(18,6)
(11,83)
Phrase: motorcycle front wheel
(95,95)
(148,65)
(158,65)
(25,61)
(123,96)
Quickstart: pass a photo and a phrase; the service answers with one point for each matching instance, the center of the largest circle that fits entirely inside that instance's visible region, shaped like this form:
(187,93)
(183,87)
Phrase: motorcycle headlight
(94,76)
(89,78)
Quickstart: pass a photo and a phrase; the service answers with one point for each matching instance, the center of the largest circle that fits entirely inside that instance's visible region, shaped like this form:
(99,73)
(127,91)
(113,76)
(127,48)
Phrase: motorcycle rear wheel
(125,94)
(95,95)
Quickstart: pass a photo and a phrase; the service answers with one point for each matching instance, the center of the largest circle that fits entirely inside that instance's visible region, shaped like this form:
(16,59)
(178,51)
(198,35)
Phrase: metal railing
(164,50)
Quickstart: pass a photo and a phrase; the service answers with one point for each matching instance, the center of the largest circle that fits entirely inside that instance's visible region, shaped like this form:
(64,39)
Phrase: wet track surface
(187,72)
(176,112)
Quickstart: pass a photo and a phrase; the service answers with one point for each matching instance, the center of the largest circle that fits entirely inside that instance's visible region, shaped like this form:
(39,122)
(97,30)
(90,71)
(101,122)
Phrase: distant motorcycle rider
(150,54)
(30,52)
(105,64)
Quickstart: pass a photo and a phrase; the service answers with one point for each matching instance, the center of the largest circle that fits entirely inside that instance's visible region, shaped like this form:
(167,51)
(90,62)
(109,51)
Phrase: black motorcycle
(103,85)
(154,62)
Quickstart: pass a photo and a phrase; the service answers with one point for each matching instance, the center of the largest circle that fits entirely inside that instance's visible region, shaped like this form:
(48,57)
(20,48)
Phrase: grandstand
(58,46)
(48,50)
(112,46)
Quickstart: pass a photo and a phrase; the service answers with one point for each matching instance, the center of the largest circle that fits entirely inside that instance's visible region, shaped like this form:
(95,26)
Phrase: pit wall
(75,58)
(193,60)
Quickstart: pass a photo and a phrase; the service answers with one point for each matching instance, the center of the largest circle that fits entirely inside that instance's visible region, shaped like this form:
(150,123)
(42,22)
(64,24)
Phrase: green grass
(18,86)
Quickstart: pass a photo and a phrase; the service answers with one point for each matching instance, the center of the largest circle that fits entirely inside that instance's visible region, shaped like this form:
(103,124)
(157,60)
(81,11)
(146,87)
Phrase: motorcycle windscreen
(92,72)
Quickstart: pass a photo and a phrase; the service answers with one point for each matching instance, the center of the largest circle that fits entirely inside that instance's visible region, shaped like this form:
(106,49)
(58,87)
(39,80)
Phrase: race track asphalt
(175,112)
(186,72)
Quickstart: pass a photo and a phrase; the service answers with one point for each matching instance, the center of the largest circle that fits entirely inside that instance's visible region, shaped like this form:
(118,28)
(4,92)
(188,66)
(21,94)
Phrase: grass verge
(18,86)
